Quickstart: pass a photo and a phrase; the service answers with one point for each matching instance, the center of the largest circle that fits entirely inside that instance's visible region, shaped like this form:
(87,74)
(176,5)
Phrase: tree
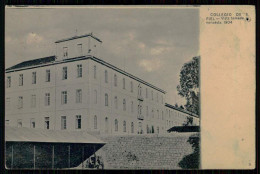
(189,84)
(188,122)
(192,161)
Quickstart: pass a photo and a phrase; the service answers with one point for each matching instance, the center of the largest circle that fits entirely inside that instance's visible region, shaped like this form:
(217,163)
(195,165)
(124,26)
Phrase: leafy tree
(192,161)
(188,122)
(189,84)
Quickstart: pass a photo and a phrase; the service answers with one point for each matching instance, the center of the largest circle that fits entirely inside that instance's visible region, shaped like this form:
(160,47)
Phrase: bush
(192,161)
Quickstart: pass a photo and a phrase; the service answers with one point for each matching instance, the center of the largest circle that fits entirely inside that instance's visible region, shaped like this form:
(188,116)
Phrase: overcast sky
(154,42)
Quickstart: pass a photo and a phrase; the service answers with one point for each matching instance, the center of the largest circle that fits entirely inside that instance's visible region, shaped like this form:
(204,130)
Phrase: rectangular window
(64,97)
(132,106)
(8,81)
(65,52)
(33,101)
(7,103)
(20,79)
(47,99)
(7,122)
(20,102)
(146,92)
(78,96)
(19,123)
(106,77)
(80,49)
(147,111)
(123,83)
(46,122)
(78,121)
(116,102)
(115,80)
(95,71)
(124,105)
(32,123)
(33,77)
(79,70)
(106,99)
(48,75)
(139,109)
(131,86)
(63,123)
(95,122)
(64,73)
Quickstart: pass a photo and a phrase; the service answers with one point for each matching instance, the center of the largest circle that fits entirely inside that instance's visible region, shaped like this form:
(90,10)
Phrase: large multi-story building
(76,90)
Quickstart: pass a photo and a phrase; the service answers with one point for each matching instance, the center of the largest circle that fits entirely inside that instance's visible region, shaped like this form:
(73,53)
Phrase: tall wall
(145,151)
(113,112)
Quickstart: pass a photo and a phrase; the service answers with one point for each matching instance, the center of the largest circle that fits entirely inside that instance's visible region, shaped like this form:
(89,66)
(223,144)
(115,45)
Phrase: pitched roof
(77,37)
(33,62)
(184,129)
(14,134)
(181,110)
(125,73)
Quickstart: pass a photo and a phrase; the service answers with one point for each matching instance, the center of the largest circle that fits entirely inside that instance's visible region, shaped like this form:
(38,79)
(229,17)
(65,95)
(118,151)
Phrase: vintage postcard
(130,87)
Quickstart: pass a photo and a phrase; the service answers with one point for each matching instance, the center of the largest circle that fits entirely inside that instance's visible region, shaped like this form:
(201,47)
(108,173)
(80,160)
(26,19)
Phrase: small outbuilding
(39,148)
(184,129)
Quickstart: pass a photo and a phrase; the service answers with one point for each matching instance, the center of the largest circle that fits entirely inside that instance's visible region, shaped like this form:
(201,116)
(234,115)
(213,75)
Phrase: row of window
(79,75)
(131,85)
(32,123)
(116,103)
(64,100)
(78,124)
(176,113)
(46,99)
(169,123)
(79,50)
(47,76)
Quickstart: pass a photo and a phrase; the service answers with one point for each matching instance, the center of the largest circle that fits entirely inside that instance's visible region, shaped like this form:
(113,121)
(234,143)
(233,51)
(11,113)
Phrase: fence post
(34,156)
(12,162)
(82,156)
(52,156)
(69,157)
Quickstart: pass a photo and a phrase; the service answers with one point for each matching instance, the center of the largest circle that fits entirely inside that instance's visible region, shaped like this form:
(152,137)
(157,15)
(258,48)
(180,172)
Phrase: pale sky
(154,42)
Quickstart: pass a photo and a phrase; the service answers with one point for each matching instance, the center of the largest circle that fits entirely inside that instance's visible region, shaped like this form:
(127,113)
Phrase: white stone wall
(90,46)
(177,118)
(89,107)
(110,111)
(39,89)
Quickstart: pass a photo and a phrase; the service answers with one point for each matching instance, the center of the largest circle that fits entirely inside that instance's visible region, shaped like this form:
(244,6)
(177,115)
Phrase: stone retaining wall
(145,151)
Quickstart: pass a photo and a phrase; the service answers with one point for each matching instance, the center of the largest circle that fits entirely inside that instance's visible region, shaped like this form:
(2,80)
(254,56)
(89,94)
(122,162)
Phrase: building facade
(76,90)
